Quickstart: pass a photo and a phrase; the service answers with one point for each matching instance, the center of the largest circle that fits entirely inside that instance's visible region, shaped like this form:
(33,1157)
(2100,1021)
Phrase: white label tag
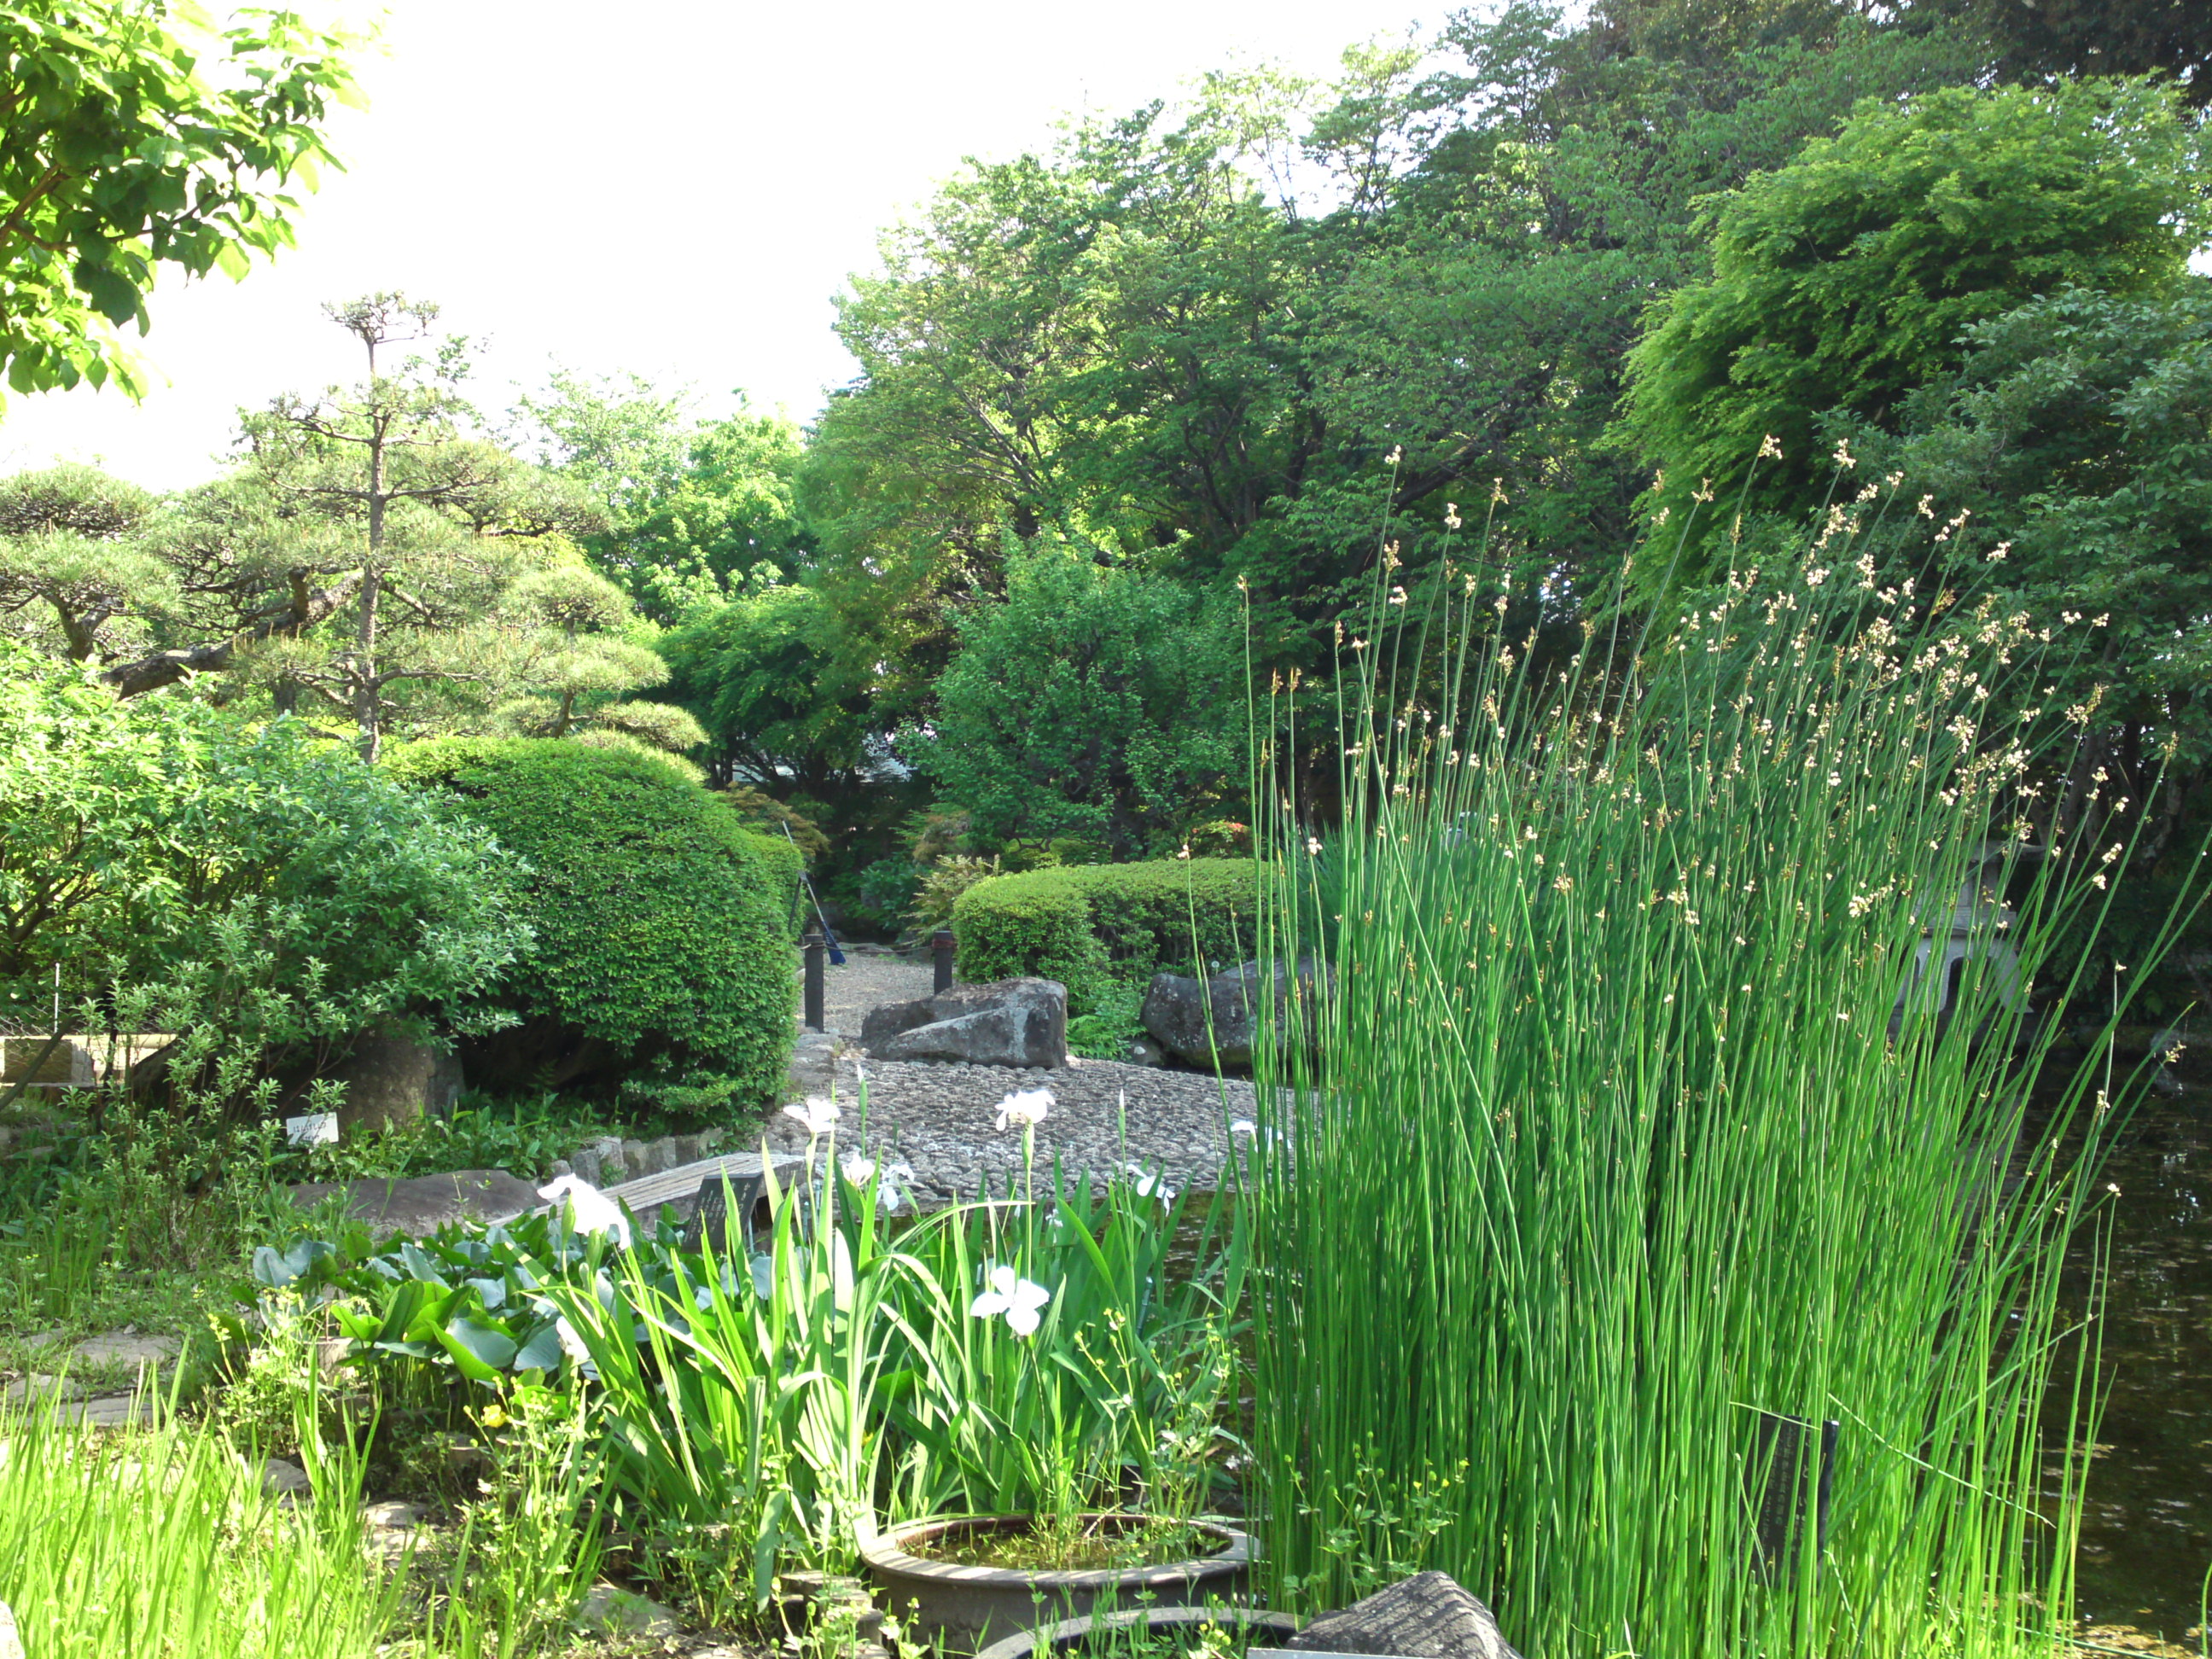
(315,1129)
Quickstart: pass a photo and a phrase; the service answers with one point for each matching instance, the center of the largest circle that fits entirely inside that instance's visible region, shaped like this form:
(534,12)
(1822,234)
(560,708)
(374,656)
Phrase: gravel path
(872,974)
(942,1120)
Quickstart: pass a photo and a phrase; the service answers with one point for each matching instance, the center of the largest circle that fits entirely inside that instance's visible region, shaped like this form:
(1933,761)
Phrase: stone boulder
(1011,1022)
(421,1204)
(1195,1019)
(391,1078)
(1427,1616)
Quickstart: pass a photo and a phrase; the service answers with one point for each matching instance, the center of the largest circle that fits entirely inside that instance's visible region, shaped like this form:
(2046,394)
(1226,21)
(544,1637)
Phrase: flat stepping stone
(422,1204)
(128,1348)
(72,1403)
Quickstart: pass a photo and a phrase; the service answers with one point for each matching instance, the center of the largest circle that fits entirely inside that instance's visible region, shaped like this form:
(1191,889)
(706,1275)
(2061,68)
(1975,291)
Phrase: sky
(676,187)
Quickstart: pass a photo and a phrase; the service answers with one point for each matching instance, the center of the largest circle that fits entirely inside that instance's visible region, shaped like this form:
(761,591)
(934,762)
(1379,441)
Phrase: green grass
(1601,1148)
(159,1544)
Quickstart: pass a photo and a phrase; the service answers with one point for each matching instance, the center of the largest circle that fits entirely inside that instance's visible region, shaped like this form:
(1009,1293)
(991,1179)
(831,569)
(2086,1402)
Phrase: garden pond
(2146,1536)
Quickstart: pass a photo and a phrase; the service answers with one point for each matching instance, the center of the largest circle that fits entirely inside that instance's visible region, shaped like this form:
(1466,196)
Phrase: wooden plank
(683,1180)
(648,1192)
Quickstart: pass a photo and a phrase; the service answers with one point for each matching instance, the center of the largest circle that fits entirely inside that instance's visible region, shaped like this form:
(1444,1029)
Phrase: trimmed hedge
(664,924)
(1085,923)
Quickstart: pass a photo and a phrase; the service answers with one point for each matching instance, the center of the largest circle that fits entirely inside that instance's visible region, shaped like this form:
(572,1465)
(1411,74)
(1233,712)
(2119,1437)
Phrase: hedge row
(664,926)
(1124,922)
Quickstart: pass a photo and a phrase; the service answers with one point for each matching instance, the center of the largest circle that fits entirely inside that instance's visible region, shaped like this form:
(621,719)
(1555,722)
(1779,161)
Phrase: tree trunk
(366,691)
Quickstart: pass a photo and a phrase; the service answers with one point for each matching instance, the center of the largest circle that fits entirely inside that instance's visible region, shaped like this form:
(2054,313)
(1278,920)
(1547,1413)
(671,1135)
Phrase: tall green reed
(160,1542)
(1590,1140)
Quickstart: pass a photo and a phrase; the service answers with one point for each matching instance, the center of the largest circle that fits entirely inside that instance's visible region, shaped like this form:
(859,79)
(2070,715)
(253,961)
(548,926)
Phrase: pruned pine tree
(435,519)
(577,661)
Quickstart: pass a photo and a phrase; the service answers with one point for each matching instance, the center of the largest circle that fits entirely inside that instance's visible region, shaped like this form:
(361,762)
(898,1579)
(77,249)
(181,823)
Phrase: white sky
(674,186)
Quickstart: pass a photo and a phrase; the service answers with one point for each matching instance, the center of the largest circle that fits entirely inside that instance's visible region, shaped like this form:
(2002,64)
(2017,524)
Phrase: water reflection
(2147,1538)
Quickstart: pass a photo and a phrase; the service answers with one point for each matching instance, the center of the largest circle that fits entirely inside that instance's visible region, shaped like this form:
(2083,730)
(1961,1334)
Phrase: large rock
(1009,1022)
(419,1205)
(391,1078)
(1195,1020)
(1427,1616)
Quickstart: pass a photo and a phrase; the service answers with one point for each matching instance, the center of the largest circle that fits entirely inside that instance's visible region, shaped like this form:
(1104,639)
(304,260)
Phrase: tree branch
(148,673)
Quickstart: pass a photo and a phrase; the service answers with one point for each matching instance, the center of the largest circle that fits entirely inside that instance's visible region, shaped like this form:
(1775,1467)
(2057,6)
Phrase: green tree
(1197,333)
(2172,39)
(2076,442)
(431,512)
(1103,705)
(577,664)
(73,558)
(135,135)
(1847,279)
(785,698)
(694,513)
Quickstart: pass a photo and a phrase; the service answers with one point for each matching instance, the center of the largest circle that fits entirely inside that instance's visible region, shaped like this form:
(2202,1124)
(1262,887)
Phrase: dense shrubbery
(257,890)
(1094,925)
(1091,703)
(662,921)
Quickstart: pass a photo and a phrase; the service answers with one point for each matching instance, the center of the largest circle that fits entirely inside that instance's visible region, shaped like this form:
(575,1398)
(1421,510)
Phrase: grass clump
(161,1543)
(1630,1116)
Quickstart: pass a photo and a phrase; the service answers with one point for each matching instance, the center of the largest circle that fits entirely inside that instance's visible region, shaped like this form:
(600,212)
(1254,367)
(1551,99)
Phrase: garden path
(941,1120)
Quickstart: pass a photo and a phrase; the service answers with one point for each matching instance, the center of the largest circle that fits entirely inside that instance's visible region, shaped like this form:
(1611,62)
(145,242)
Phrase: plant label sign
(313,1129)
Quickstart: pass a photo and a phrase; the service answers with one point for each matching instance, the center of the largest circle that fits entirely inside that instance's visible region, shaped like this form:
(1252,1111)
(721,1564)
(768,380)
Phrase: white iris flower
(1024,1111)
(1022,1302)
(819,1115)
(590,1210)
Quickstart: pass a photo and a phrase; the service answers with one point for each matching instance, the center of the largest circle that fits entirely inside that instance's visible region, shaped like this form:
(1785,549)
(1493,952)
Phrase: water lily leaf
(421,1265)
(541,1352)
(480,1351)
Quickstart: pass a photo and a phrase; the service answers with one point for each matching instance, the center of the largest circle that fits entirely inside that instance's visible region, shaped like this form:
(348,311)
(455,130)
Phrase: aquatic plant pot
(969,1607)
(1153,1629)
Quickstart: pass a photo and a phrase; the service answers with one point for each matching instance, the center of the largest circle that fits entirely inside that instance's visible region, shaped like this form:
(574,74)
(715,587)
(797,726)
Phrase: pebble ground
(942,1119)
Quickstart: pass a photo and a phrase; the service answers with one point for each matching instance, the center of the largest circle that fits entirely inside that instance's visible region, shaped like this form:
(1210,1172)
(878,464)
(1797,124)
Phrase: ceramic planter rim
(885,1553)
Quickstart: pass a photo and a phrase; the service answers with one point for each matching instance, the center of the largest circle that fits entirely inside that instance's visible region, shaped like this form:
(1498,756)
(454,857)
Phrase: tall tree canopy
(1848,278)
(119,154)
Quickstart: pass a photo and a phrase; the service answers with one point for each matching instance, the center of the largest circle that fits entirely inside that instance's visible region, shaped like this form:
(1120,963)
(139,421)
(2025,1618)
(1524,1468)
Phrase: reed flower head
(1024,1110)
(1018,1299)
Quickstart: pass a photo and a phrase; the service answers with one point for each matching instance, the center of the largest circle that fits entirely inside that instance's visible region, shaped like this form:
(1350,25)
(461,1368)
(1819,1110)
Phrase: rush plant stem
(1603,1145)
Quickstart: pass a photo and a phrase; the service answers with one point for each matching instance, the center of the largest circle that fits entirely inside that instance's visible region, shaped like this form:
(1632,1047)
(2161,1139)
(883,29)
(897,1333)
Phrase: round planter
(1258,1625)
(969,1608)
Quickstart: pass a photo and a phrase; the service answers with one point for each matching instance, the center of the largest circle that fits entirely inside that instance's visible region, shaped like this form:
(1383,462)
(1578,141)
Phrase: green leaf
(480,1351)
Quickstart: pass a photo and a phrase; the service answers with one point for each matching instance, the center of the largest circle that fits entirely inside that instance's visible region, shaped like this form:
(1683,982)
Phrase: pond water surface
(2147,1538)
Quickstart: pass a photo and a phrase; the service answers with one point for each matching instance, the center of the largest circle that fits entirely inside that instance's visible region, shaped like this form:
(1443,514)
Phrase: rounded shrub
(664,924)
(1087,925)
